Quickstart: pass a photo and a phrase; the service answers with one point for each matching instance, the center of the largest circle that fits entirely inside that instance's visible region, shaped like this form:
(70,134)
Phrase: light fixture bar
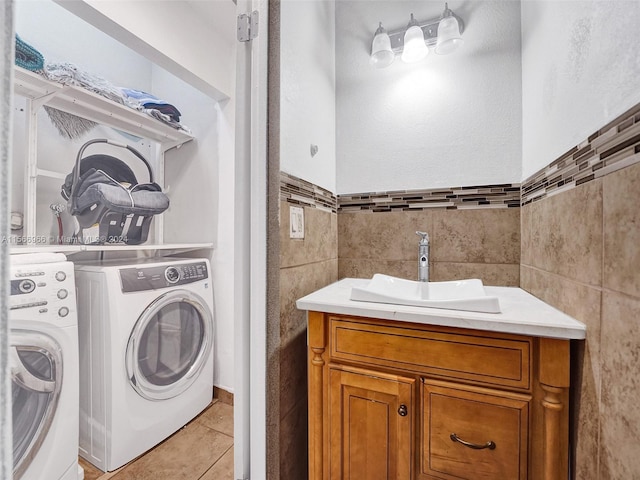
(429,28)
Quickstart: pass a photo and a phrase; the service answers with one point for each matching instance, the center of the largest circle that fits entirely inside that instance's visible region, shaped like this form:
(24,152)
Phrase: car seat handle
(76,169)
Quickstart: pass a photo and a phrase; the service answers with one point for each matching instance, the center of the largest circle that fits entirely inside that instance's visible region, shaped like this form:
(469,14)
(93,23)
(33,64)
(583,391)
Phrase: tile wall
(474,233)
(581,254)
(305,265)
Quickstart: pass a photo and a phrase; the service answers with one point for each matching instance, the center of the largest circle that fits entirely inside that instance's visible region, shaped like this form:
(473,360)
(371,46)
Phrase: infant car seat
(106,199)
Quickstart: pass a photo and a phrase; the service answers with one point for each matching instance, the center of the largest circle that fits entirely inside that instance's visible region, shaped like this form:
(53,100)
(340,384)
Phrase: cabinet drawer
(494,426)
(493,360)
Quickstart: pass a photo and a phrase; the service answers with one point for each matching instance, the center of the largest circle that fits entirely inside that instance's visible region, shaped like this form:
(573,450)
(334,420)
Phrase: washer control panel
(42,290)
(138,279)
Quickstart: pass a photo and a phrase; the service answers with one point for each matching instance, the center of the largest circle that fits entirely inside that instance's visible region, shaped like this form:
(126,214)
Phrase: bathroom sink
(467,295)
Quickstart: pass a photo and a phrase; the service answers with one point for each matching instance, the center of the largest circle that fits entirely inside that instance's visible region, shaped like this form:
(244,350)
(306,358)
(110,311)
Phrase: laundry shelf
(71,249)
(86,104)
(41,172)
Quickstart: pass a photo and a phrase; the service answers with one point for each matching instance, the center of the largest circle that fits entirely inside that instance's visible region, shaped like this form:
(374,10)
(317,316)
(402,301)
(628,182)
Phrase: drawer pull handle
(490,444)
(402,411)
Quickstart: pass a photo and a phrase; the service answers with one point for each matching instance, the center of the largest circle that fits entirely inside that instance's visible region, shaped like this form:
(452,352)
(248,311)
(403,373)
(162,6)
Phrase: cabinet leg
(316,391)
(552,403)
(315,427)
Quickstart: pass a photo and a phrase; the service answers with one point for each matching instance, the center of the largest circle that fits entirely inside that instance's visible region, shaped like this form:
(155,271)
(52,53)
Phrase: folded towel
(27,56)
(70,74)
(153,106)
(145,101)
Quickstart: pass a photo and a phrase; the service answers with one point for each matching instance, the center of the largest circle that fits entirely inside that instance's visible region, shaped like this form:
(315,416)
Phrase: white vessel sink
(467,295)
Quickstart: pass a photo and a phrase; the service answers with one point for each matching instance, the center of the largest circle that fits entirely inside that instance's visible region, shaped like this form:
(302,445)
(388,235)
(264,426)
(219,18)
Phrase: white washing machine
(146,332)
(43,356)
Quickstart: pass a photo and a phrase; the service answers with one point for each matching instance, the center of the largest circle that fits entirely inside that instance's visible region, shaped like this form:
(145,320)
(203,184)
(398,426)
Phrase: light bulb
(415,49)
(381,53)
(449,38)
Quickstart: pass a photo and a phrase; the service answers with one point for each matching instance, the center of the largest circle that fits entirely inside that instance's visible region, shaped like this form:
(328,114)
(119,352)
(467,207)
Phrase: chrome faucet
(423,257)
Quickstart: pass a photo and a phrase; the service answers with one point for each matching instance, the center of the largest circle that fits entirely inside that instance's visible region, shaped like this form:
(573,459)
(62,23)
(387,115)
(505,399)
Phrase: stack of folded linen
(28,57)
(152,105)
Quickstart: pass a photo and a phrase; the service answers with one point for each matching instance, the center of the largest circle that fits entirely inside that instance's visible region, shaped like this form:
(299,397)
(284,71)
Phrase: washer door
(169,345)
(36,381)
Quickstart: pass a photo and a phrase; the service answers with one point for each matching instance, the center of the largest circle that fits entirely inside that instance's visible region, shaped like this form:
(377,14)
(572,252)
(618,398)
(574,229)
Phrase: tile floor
(202,450)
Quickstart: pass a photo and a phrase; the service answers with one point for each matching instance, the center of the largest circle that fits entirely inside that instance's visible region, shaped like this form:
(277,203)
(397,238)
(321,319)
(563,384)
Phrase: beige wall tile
(306,265)
(296,282)
(222,395)
(575,299)
(366,268)
(293,373)
(621,197)
(476,236)
(293,444)
(620,408)
(506,275)
(370,243)
(584,413)
(381,235)
(320,240)
(563,234)
(582,303)
(490,274)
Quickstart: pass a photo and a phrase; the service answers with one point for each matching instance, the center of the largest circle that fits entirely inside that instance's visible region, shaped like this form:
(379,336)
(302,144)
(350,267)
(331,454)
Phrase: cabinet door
(370,425)
(473,433)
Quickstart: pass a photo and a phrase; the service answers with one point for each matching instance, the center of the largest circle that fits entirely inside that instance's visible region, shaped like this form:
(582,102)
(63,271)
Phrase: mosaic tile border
(454,198)
(296,191)
(614,146)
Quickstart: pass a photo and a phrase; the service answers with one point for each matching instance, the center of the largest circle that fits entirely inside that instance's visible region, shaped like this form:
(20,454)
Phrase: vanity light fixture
(413,42)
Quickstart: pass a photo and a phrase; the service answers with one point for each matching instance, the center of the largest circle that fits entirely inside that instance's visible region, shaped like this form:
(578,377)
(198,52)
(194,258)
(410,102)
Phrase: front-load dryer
(146,332)
(43,358)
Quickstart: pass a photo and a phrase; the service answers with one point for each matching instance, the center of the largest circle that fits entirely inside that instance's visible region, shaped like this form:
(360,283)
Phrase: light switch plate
(296,222)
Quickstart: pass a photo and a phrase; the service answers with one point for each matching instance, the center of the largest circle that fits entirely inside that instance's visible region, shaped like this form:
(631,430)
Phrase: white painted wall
(447,121)
(199,176)
(581,69)
(307,96)
(192,40)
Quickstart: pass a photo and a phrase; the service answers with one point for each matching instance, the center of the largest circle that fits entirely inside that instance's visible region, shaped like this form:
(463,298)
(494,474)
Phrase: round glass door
(36,380)
(169,345)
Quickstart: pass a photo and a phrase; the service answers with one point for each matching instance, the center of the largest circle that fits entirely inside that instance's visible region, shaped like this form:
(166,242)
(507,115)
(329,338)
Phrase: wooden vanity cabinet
(402,401)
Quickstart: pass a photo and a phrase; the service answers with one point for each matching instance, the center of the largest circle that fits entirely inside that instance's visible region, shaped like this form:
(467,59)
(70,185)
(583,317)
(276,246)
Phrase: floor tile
(219,417)
(90,472)
(203,450)
(222,469)
(186,455)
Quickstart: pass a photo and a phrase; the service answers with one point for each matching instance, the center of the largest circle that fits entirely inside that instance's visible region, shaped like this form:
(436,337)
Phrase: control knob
(172,274)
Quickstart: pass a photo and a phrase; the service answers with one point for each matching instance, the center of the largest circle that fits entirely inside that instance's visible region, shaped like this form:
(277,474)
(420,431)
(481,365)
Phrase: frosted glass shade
(449,38)
(381,53)
(414,47)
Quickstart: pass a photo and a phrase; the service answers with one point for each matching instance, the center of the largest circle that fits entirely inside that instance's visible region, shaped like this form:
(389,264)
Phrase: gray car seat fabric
(141,202)
(103,191)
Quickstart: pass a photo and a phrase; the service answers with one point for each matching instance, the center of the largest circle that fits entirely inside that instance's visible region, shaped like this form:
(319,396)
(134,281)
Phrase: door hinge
(248,26)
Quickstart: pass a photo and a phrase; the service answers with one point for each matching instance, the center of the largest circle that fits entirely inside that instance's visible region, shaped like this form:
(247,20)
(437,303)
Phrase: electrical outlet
(296,222)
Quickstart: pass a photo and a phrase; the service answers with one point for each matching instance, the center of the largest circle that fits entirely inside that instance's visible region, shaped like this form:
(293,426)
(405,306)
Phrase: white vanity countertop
(521,312)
